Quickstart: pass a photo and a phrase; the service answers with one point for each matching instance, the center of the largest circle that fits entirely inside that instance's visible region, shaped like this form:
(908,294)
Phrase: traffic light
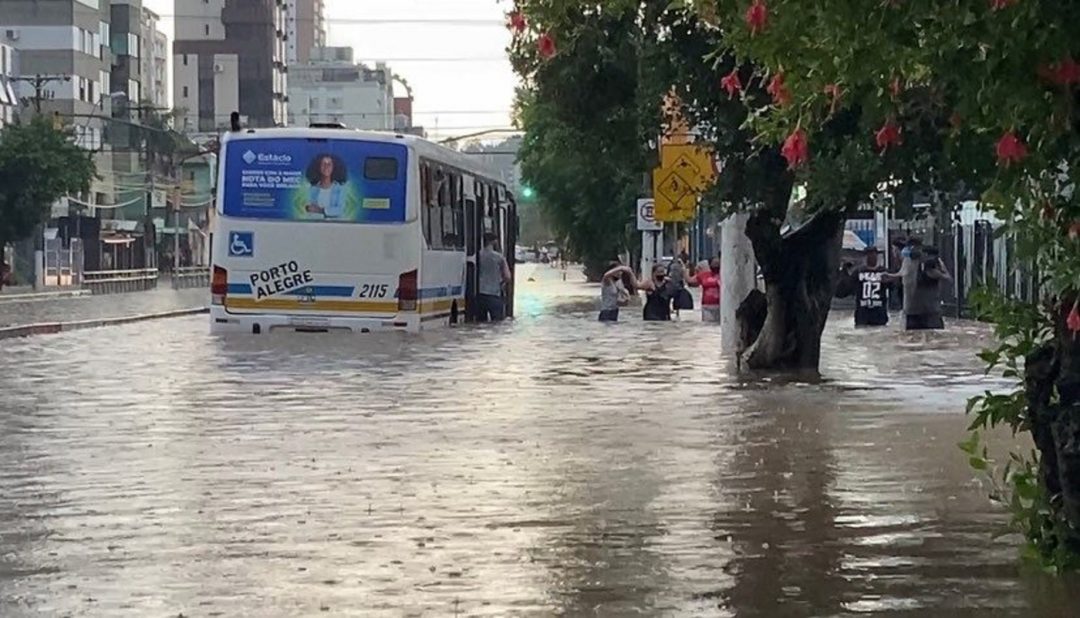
(528,192)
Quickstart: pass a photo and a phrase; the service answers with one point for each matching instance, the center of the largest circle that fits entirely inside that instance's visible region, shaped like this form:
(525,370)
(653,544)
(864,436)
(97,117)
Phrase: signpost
(685,172)
(646,216)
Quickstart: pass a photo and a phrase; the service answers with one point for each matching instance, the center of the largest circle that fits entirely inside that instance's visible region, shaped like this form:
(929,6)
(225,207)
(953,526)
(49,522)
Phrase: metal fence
(977,255)
(190,277)
(119,281)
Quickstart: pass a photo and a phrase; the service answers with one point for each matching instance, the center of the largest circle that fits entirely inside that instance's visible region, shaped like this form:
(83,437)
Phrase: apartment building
(154,62)
(65,66)
(305,29)
(230,55)
(331,87)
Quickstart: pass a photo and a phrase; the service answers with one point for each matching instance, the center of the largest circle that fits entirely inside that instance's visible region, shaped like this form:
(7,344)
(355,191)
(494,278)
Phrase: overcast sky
(456,66)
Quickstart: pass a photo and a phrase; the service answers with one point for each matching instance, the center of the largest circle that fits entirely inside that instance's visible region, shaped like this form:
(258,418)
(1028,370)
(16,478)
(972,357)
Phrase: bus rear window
(300,179)
(380,168)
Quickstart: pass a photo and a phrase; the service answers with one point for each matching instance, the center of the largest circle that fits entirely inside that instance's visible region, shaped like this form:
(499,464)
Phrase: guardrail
(191,277)
(120,281)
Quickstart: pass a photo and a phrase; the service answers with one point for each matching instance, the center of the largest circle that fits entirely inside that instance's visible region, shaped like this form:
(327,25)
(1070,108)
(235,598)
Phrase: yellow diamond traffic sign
(694,164)
(675,199)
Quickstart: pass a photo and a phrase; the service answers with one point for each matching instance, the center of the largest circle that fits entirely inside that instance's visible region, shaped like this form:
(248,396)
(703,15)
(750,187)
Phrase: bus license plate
(309,322)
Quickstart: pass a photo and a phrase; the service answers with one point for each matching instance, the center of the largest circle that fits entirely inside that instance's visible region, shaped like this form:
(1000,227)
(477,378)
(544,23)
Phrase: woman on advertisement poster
(328,179)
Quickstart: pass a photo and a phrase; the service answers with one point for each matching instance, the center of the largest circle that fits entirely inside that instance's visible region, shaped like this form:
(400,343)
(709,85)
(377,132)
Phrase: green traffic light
(528,193)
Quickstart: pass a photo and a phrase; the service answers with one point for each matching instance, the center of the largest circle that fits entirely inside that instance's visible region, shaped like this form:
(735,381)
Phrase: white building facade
(155,62)
(332,88)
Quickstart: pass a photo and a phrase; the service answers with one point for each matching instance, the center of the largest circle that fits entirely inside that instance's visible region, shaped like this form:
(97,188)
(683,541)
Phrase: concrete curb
(22,298)
(52,328)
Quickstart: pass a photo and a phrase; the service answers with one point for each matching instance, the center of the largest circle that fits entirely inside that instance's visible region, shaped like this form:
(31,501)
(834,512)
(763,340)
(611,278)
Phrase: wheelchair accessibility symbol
(241,244)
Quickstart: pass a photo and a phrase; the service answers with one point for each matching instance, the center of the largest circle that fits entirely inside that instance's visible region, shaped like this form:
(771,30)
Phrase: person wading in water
(611,295)
(707,277)
(659,290)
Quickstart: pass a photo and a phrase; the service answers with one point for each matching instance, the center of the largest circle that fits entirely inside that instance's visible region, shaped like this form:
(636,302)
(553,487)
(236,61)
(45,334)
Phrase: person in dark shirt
(867,284)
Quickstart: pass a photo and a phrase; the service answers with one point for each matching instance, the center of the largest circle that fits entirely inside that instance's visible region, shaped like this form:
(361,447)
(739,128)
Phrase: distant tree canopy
(583,154)
(38,165)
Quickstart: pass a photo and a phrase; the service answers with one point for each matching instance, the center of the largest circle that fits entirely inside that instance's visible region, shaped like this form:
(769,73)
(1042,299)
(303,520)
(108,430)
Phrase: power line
(377,60)
(378,21)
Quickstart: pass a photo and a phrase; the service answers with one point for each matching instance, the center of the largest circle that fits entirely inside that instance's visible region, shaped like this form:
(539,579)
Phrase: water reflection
(553,466)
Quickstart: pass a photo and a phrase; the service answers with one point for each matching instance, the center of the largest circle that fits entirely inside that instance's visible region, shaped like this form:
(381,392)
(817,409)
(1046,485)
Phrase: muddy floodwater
(551,466)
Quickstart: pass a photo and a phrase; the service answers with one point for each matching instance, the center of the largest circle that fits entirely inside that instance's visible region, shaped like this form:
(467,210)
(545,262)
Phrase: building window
(185,92)
(206,28)
(185,59)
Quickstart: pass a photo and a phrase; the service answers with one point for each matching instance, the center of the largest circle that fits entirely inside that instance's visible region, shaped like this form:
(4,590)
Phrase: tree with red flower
(778,90)
(546,46)
(731,83)
(796,149)
(1010,149)
(757,17)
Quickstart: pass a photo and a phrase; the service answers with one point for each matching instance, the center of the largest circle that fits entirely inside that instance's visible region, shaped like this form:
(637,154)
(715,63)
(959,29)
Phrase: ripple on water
(550,466)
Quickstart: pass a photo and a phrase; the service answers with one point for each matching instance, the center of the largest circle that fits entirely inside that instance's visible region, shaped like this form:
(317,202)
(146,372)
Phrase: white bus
(330,229)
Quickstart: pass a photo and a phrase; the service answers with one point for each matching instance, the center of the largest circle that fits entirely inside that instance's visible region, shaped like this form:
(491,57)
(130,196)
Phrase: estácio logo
(249,157)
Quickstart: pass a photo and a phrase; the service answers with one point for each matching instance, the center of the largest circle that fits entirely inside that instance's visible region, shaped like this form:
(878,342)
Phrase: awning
(118,240)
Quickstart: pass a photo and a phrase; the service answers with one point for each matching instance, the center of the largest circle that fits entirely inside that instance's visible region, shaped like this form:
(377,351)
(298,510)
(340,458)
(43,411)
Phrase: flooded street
(552,466)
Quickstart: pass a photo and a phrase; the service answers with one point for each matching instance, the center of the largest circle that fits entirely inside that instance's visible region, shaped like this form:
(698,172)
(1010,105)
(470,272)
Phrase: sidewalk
(23,311)
(27,293)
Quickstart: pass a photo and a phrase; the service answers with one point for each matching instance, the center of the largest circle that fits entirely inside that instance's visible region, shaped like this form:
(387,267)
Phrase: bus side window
(453,225)
(447,198)
(490,207)
(425,199)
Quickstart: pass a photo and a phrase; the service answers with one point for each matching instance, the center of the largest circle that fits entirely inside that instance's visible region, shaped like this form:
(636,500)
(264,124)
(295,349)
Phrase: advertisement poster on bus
(315,180)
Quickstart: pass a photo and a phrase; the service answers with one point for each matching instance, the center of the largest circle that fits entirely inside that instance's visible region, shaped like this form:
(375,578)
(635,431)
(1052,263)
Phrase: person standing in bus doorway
(326,196)
(494,276)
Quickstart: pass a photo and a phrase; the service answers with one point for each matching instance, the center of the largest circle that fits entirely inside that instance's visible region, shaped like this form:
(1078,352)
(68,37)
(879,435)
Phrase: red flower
(997,5)
(795,149)
(888,135)
(1063,73)
(516,22)
(1010,149)
(757,17)
(546,45)
(779,92)
(732,83)
(1073,321)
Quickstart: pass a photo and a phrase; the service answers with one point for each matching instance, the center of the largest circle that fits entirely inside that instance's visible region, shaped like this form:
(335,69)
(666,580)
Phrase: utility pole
(39,83)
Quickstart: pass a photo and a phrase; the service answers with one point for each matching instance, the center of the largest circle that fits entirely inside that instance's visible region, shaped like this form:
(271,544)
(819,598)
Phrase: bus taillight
(219,285)
(408,291)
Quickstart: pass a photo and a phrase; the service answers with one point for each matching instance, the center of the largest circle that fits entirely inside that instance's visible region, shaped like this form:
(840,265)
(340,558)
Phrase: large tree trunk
(800,274)
(1055,425)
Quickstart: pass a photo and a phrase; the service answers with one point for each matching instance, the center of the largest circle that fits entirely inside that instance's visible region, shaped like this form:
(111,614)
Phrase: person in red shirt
(707,277)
